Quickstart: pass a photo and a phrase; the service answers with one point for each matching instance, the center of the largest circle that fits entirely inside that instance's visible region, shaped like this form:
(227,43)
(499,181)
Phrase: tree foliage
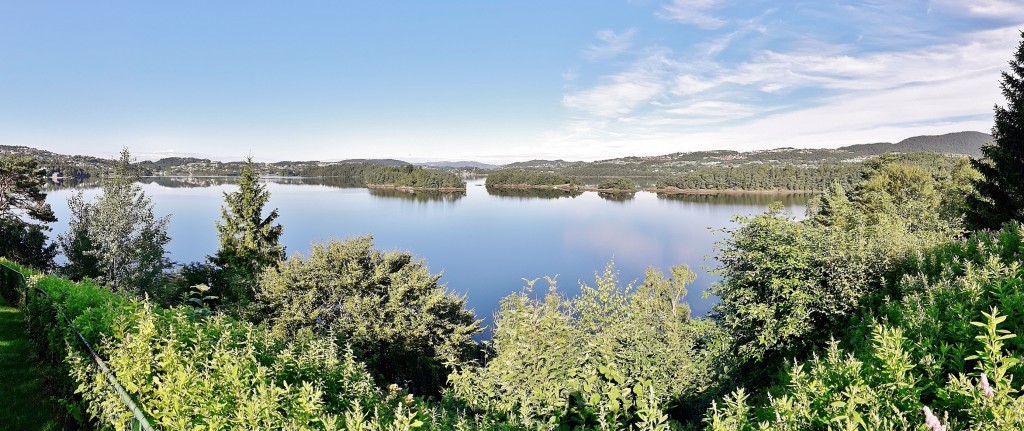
(399,320)
(117,238)
(24,213)
(249,242)
(1001,189)
(412,176)
(522,177)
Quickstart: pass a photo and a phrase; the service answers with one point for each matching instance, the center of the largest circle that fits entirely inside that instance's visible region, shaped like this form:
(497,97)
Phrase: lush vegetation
(617,184)
(412,177)
(512,178)
(388,306)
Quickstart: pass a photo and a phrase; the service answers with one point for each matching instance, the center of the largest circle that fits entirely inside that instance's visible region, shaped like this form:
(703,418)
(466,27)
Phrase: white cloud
(664,103)
(612,44)
(1002,9)
(694,12)
(622,93)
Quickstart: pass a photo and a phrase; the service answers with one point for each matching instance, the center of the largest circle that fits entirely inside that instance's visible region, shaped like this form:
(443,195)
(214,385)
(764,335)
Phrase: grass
(23,403)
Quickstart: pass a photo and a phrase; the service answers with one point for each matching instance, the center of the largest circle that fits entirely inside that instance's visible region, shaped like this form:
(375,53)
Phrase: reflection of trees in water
(532,193)
(418,195)
(617,197)
(750,199)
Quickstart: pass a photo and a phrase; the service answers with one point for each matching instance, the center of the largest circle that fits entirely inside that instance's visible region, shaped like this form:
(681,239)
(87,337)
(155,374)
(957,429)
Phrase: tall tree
(24,213)
(119,234)
(249,242)
(1001,188)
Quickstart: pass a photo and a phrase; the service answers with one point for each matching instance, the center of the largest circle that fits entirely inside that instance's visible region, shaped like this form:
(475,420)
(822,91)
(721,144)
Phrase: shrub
(392,310)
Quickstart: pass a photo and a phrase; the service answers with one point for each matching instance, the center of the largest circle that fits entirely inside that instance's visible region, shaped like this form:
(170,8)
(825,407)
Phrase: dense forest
(415,177)
(894,304)
(521,178)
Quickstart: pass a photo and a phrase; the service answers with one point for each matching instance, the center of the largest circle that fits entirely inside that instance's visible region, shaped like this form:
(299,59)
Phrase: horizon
(495,83)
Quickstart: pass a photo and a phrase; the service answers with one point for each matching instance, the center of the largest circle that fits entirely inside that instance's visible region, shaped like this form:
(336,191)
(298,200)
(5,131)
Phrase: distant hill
(959,143)
(459,165)
(964,143)
(381,162)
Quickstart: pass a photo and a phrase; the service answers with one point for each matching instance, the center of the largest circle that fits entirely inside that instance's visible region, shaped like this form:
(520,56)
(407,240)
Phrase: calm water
(485,245)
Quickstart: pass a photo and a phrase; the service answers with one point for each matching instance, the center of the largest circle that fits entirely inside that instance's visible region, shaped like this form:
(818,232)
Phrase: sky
(494,81)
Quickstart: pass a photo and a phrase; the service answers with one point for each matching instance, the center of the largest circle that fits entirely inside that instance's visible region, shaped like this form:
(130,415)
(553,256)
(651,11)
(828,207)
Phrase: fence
(14,288)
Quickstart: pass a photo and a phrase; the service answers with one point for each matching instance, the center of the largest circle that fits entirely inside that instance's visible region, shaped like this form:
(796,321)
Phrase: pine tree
(24,213)
(1001,189)
(249,242)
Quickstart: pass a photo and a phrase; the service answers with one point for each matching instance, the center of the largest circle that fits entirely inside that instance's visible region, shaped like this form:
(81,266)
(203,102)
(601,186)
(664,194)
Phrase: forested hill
(959,143)
(965,143)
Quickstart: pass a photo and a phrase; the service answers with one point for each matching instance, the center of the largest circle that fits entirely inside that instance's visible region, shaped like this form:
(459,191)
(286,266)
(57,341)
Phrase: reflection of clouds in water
(628,245)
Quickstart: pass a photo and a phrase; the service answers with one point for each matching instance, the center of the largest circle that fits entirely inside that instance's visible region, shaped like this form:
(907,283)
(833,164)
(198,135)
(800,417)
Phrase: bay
(484,244)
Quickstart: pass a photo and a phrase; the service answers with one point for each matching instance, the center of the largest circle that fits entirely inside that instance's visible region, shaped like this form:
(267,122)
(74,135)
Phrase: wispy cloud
(622,93)
(693,12)
(810,90)
(1001,9)
(611,44)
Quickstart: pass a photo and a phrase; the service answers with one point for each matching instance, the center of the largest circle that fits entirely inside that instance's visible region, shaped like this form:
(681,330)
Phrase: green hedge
(187,370)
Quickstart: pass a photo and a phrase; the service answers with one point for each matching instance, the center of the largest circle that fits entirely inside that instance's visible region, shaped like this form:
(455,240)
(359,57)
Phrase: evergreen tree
(24,213)
(249,242)
(1001,188)
(118,237)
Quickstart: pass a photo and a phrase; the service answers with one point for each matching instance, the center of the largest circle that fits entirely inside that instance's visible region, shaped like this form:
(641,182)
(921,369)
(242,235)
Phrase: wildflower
(931,421)
(985,387)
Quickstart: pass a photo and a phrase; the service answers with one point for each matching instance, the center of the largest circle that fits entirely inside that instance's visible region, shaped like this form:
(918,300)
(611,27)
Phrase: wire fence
(15,290)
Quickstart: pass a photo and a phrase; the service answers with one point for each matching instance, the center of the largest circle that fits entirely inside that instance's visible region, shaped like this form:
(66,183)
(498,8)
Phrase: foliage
(412,176)
(764,177)
(917,352)
(789,286)
(120,232)
(188,370)
(1001,189)
(612,358)
(522,177)
(24,213)
(249,242)
(392,310)
(617,183)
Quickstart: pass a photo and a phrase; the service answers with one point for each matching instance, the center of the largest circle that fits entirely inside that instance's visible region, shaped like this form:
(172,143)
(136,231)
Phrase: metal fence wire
(15,289)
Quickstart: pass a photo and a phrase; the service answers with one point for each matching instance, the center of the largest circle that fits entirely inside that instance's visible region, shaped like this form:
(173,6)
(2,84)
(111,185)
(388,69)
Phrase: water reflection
(418,195)
(747,199)
(532,193)
(617,197)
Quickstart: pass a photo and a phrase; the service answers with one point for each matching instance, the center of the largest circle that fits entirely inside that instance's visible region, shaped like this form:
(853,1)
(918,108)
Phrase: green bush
(612,358)
(392,310)
(928,345)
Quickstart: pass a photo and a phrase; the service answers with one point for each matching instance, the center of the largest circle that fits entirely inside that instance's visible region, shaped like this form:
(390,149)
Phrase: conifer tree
(249,242)
(1001,189)
(24,213)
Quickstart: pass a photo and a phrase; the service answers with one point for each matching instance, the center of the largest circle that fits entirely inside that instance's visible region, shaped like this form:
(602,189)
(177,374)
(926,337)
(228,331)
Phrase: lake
(484,244)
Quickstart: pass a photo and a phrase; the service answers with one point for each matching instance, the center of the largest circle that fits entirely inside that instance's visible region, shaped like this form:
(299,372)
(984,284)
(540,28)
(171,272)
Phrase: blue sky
(495,81)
